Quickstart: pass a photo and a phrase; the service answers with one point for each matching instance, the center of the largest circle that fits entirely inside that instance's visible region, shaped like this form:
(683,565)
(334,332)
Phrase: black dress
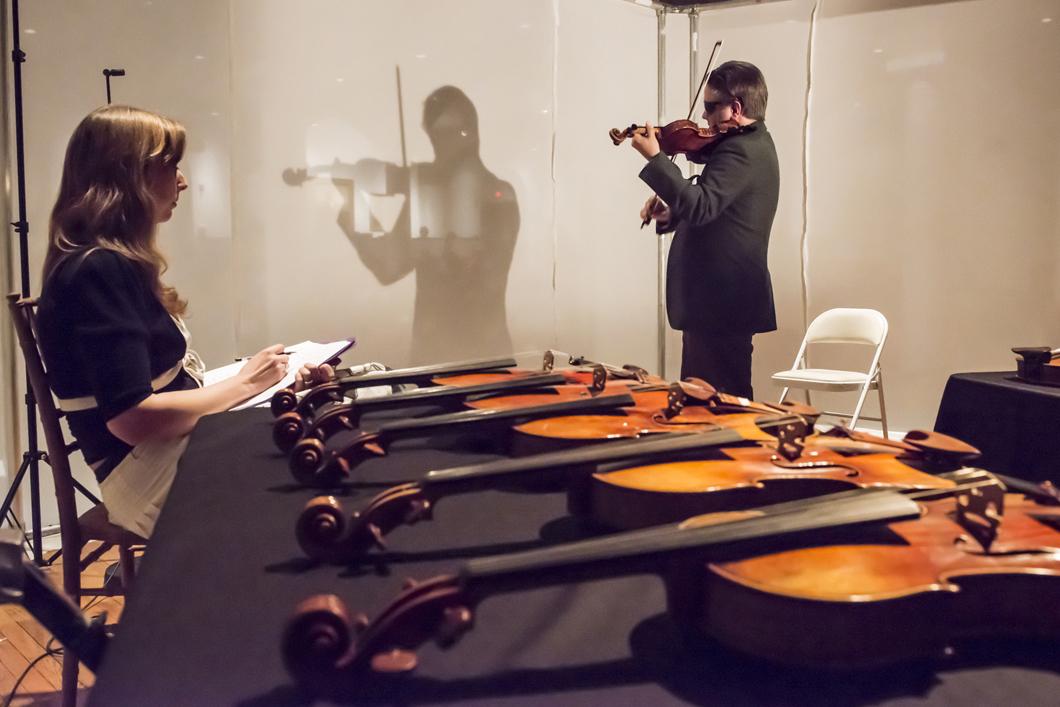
(107,343)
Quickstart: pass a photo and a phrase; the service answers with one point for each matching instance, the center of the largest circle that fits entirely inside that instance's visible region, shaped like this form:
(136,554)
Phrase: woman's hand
(265,368)
(311,374)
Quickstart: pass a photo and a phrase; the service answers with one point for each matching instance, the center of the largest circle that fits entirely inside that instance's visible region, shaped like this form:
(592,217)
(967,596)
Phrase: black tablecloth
(1015,424)
(223,572)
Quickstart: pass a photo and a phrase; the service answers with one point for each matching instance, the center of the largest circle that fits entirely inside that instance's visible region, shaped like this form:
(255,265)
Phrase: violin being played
(682,137)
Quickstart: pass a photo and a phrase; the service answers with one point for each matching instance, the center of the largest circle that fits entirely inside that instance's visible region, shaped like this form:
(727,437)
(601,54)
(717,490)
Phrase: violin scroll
(317,646)
(283,400)
(287,430)
(619,136)
(327,534)
(317,636)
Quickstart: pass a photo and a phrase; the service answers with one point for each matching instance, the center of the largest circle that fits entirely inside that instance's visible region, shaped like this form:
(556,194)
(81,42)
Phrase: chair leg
(861,404)
(783,394)
(128,568)
(69,679)
(883,408)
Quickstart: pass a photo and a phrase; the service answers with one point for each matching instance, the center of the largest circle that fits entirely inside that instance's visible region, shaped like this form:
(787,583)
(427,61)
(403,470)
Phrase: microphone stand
(107,73)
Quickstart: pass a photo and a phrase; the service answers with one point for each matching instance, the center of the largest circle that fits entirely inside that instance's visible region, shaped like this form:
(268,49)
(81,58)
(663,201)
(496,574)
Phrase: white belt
(89,402)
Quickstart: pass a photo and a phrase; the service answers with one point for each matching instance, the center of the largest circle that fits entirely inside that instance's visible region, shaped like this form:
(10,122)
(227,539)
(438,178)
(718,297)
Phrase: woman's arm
(174,414)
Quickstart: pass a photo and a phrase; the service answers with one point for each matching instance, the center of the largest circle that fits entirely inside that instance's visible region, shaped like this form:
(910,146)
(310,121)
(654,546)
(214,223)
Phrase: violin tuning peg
(377,536)
(419,509)
(456,621)
(359,622)
(394,661)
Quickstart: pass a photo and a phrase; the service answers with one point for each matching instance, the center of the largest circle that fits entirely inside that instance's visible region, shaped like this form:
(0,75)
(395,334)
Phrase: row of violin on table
(872,550)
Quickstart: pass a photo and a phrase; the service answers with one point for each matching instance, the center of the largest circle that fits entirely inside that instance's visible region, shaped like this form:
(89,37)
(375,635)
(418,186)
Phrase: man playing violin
(718,288)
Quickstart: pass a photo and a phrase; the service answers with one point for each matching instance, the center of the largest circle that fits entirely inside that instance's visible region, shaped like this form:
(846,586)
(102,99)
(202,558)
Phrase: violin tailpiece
(790,439)
(979,513)
(675,401)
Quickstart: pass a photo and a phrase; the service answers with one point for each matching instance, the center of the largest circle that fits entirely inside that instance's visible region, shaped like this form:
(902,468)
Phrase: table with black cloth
(223,572)
(1015,424)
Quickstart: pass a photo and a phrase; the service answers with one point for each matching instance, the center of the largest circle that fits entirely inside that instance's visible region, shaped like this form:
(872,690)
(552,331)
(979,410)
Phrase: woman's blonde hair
(104,197)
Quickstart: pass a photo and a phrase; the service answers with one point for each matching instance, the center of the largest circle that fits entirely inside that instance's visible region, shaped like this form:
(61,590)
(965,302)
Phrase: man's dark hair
(742,80)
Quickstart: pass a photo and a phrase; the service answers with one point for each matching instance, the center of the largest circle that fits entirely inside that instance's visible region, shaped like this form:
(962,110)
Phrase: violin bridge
(979,513)
(549,361)
(599,378)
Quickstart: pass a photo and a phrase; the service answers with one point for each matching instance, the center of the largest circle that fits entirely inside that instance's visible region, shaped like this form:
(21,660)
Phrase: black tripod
(32,457)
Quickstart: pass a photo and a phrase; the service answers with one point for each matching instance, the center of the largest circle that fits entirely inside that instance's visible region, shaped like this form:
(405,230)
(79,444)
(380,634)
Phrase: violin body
(746,477)
(881,597)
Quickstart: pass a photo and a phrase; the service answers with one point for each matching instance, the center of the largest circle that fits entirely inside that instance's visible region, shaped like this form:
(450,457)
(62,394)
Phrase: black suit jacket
(717,275)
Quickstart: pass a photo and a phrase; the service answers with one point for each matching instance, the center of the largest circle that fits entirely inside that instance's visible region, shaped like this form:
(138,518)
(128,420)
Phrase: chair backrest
(845,325)
(24,319)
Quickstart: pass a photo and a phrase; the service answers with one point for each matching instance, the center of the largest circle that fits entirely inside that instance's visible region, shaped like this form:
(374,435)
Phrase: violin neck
(420,374)
(506,416)
(587,459)
(439,393)
(647,550)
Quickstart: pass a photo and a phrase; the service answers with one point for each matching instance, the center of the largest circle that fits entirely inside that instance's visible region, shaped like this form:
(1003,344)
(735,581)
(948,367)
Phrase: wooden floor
(22,640)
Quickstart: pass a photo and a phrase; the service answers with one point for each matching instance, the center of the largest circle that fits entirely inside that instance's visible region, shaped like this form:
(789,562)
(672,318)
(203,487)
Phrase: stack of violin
(833,549)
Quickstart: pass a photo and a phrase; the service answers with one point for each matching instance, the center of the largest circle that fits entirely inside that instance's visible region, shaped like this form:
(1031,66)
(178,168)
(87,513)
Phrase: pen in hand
(240,359)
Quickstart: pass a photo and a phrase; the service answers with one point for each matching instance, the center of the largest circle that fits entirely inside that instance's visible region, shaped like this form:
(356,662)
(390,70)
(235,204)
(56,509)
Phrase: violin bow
(691,110)
(401,117)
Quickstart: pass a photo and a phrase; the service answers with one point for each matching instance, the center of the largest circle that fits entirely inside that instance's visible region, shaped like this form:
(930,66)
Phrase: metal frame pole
(660,15)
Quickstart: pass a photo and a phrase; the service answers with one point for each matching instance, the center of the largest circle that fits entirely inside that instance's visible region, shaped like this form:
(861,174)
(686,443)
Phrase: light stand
(32,457)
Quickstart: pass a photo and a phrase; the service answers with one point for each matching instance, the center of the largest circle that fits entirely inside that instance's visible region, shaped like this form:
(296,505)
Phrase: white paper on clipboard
(305,352)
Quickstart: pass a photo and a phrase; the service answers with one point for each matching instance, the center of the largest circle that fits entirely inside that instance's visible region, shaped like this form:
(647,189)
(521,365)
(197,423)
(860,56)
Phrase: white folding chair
(863,327)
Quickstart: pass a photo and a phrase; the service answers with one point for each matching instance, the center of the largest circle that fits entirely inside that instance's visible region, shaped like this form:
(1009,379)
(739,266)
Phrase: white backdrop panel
(606,277)
(934,183)
(423,250)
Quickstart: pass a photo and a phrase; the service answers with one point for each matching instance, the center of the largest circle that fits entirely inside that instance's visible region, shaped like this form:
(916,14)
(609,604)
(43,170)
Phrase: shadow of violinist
(455,233)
